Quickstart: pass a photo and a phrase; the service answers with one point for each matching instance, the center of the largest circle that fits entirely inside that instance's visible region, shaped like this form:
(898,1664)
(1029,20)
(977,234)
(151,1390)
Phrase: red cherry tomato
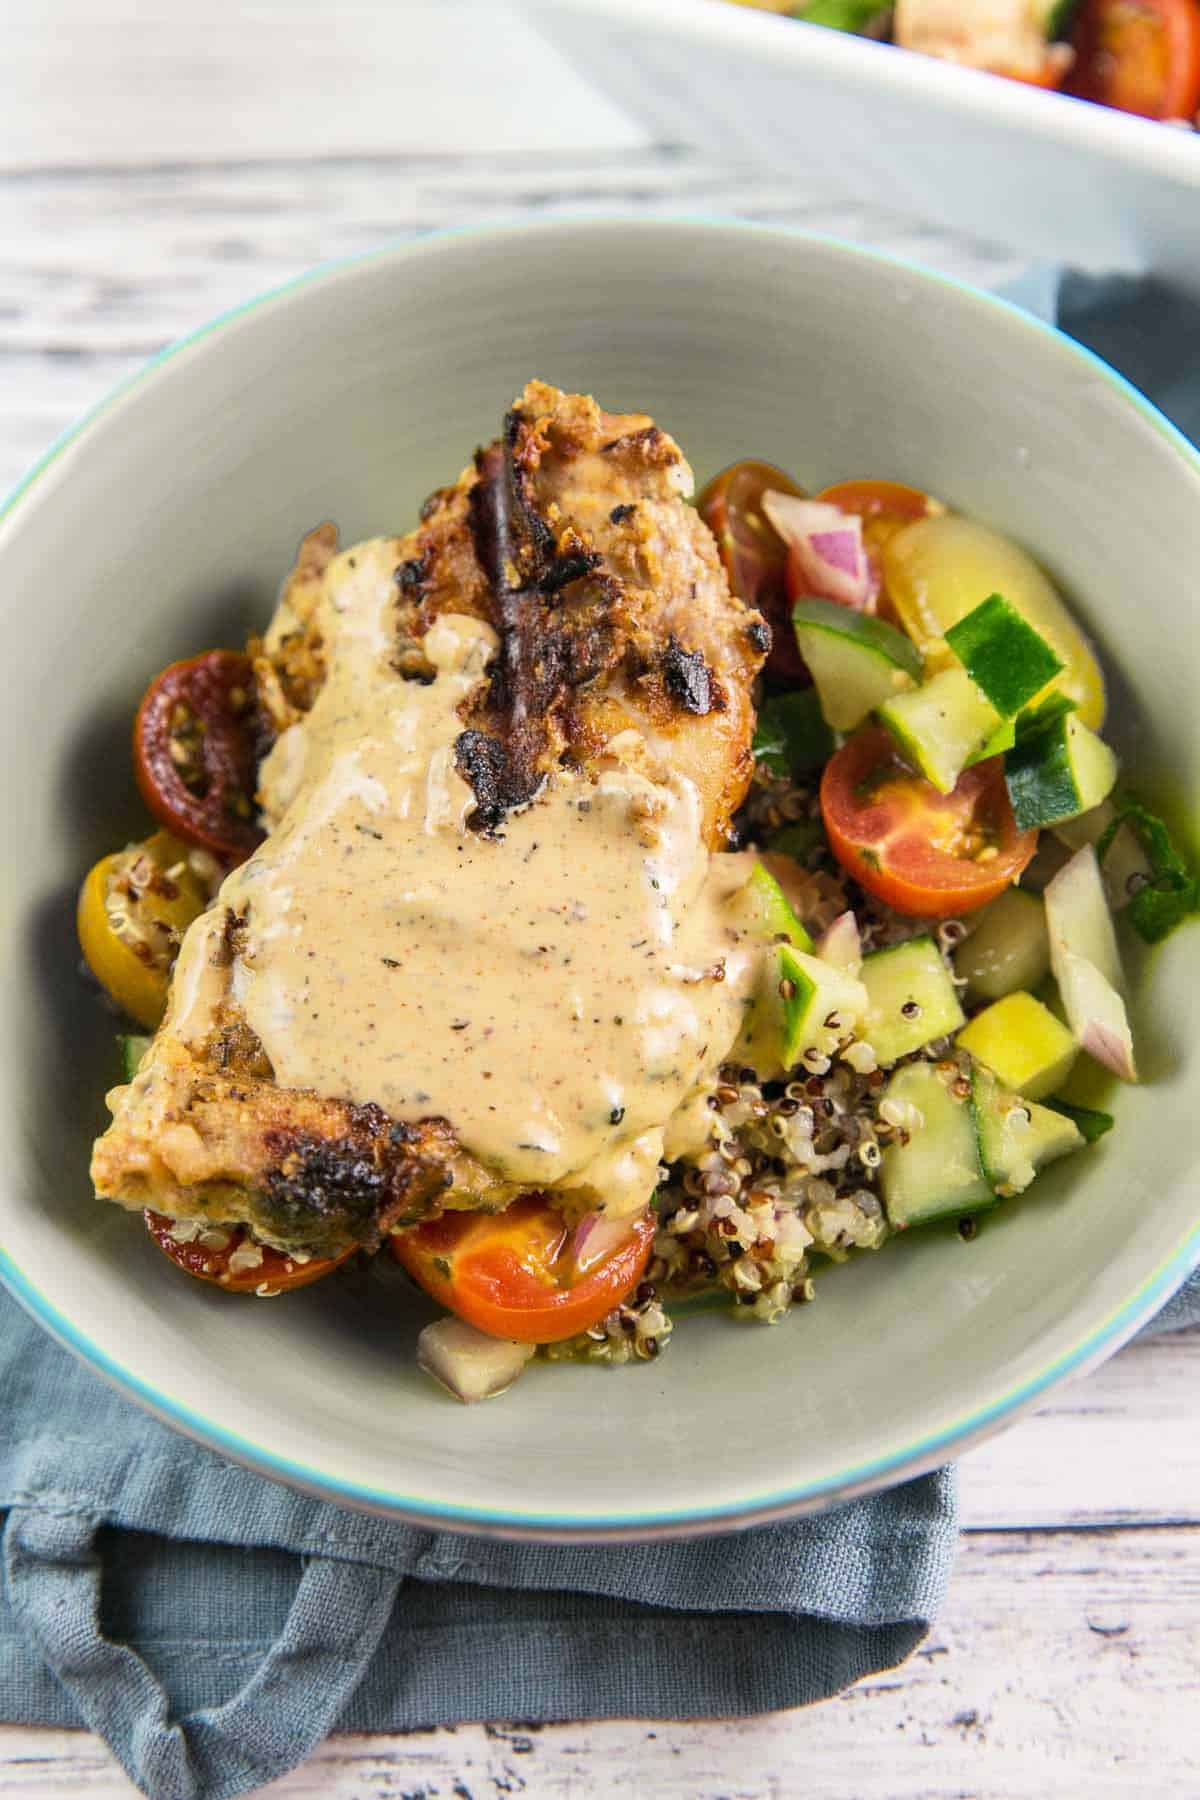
(193,752)
(275,1272)
(1141,56)
(516,1274)
(754,555)
(927,854)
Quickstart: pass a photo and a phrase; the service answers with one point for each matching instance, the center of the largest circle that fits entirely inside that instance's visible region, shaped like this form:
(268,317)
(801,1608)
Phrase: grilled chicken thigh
(552,658)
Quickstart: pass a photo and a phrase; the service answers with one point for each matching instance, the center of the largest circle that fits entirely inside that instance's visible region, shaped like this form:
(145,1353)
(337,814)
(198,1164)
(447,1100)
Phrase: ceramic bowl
(164,524)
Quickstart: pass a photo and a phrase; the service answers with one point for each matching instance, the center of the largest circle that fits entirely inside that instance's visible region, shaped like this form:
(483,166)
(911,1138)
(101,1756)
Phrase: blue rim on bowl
(754,1508)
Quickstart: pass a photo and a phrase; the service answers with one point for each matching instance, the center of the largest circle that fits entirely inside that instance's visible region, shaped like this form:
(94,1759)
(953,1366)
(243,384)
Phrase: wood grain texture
(159,164)
(1064,1664)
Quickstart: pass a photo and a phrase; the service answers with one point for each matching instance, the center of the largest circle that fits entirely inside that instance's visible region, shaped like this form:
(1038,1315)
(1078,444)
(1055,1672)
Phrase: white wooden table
(159,163)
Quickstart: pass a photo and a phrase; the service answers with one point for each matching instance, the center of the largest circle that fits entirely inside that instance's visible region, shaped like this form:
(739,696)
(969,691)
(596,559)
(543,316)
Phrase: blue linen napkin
(214,1626)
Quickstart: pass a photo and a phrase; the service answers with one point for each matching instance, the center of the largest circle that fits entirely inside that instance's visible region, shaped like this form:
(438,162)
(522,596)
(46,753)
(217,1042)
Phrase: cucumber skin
(1005,657)
(958,1154)
(856,661)
(1040,775)
(132,1049)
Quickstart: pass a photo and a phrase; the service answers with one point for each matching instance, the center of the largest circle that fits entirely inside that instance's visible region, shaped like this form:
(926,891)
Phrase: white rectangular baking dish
(853,120)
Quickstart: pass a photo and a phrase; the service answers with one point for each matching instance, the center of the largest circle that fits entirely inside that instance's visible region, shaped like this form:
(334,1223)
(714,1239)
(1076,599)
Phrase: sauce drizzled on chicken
(484,946)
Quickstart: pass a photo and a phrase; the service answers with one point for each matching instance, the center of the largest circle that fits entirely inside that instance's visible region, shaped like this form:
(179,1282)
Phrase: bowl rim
(1149,144)
(898,1463)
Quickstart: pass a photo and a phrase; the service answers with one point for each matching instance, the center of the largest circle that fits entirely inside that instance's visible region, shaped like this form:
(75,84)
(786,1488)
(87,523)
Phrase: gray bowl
(163,526)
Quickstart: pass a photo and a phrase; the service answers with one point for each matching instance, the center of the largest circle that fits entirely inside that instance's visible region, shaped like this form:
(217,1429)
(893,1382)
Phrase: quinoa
(790,1174)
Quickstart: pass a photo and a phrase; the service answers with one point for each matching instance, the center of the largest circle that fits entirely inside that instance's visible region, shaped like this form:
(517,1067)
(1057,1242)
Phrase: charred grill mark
(483,763)
(759,633)
(619,514)
(650,444)
(410,578)
(688,679)
(329,1192)
(551,641)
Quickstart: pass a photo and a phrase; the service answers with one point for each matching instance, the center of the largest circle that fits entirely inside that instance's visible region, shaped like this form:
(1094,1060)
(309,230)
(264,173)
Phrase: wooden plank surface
(159,164)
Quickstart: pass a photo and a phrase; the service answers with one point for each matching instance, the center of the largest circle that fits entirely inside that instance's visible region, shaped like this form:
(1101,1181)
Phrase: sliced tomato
(133,910)
(927,854)
(884,507)
(1140,56)
(523,1273)
(754,555)
(194,752)
(208,1256)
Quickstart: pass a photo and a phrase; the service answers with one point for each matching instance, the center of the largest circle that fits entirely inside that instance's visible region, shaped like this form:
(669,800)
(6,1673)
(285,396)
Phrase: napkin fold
(213,1626)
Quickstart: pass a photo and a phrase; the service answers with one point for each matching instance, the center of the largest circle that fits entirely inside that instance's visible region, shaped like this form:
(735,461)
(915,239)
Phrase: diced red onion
(469,1364)
(596,1237)
(827,545)
(840,944)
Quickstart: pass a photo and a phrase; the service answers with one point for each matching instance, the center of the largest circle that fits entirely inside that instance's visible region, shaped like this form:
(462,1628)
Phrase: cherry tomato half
(1141,56)
(193,752)
(274,1271)
(134,908)
(754,555)
(515,1274)
(927,854)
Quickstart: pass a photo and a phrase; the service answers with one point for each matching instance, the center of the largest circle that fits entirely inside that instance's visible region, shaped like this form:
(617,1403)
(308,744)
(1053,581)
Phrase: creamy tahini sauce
(558,994)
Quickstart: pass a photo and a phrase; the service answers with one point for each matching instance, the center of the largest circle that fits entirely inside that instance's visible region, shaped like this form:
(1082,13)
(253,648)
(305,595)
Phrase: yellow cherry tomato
(133,910)
(937,570)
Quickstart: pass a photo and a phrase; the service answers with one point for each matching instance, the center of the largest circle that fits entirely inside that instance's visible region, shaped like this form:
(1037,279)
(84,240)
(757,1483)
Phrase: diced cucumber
(856,660)
(1008,949)
(132,1050)
(1058,773)
(940,725)
(791,737)
(1016,1136)
(911,999)
(762,909)
(937,1173)
(797,996)
(1002,739)
(1022,1043)
(1087,827)
(1005,657)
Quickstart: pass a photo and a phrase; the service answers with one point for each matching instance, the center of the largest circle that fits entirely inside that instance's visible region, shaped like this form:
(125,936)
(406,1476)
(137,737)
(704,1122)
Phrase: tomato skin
(203,710)
(1139,56)
(277,1271)
(884,825)
(145,880)
(754,555)
(512,1273)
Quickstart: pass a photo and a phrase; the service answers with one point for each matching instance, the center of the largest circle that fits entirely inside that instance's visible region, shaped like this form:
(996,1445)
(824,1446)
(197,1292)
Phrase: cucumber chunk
(937,1173)
(1008,949)
(1058,772)
(797,995)
(910,999)
(762,909)
(856,661)
(132,1050)
(1005,657)
(1022,1043)
(1017,1137)
(941,725)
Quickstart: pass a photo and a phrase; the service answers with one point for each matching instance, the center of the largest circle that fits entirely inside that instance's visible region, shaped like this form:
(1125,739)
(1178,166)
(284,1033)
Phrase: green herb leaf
(798,841)
(791,736)
(1092,1124)
(1172,894)
(841,15)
